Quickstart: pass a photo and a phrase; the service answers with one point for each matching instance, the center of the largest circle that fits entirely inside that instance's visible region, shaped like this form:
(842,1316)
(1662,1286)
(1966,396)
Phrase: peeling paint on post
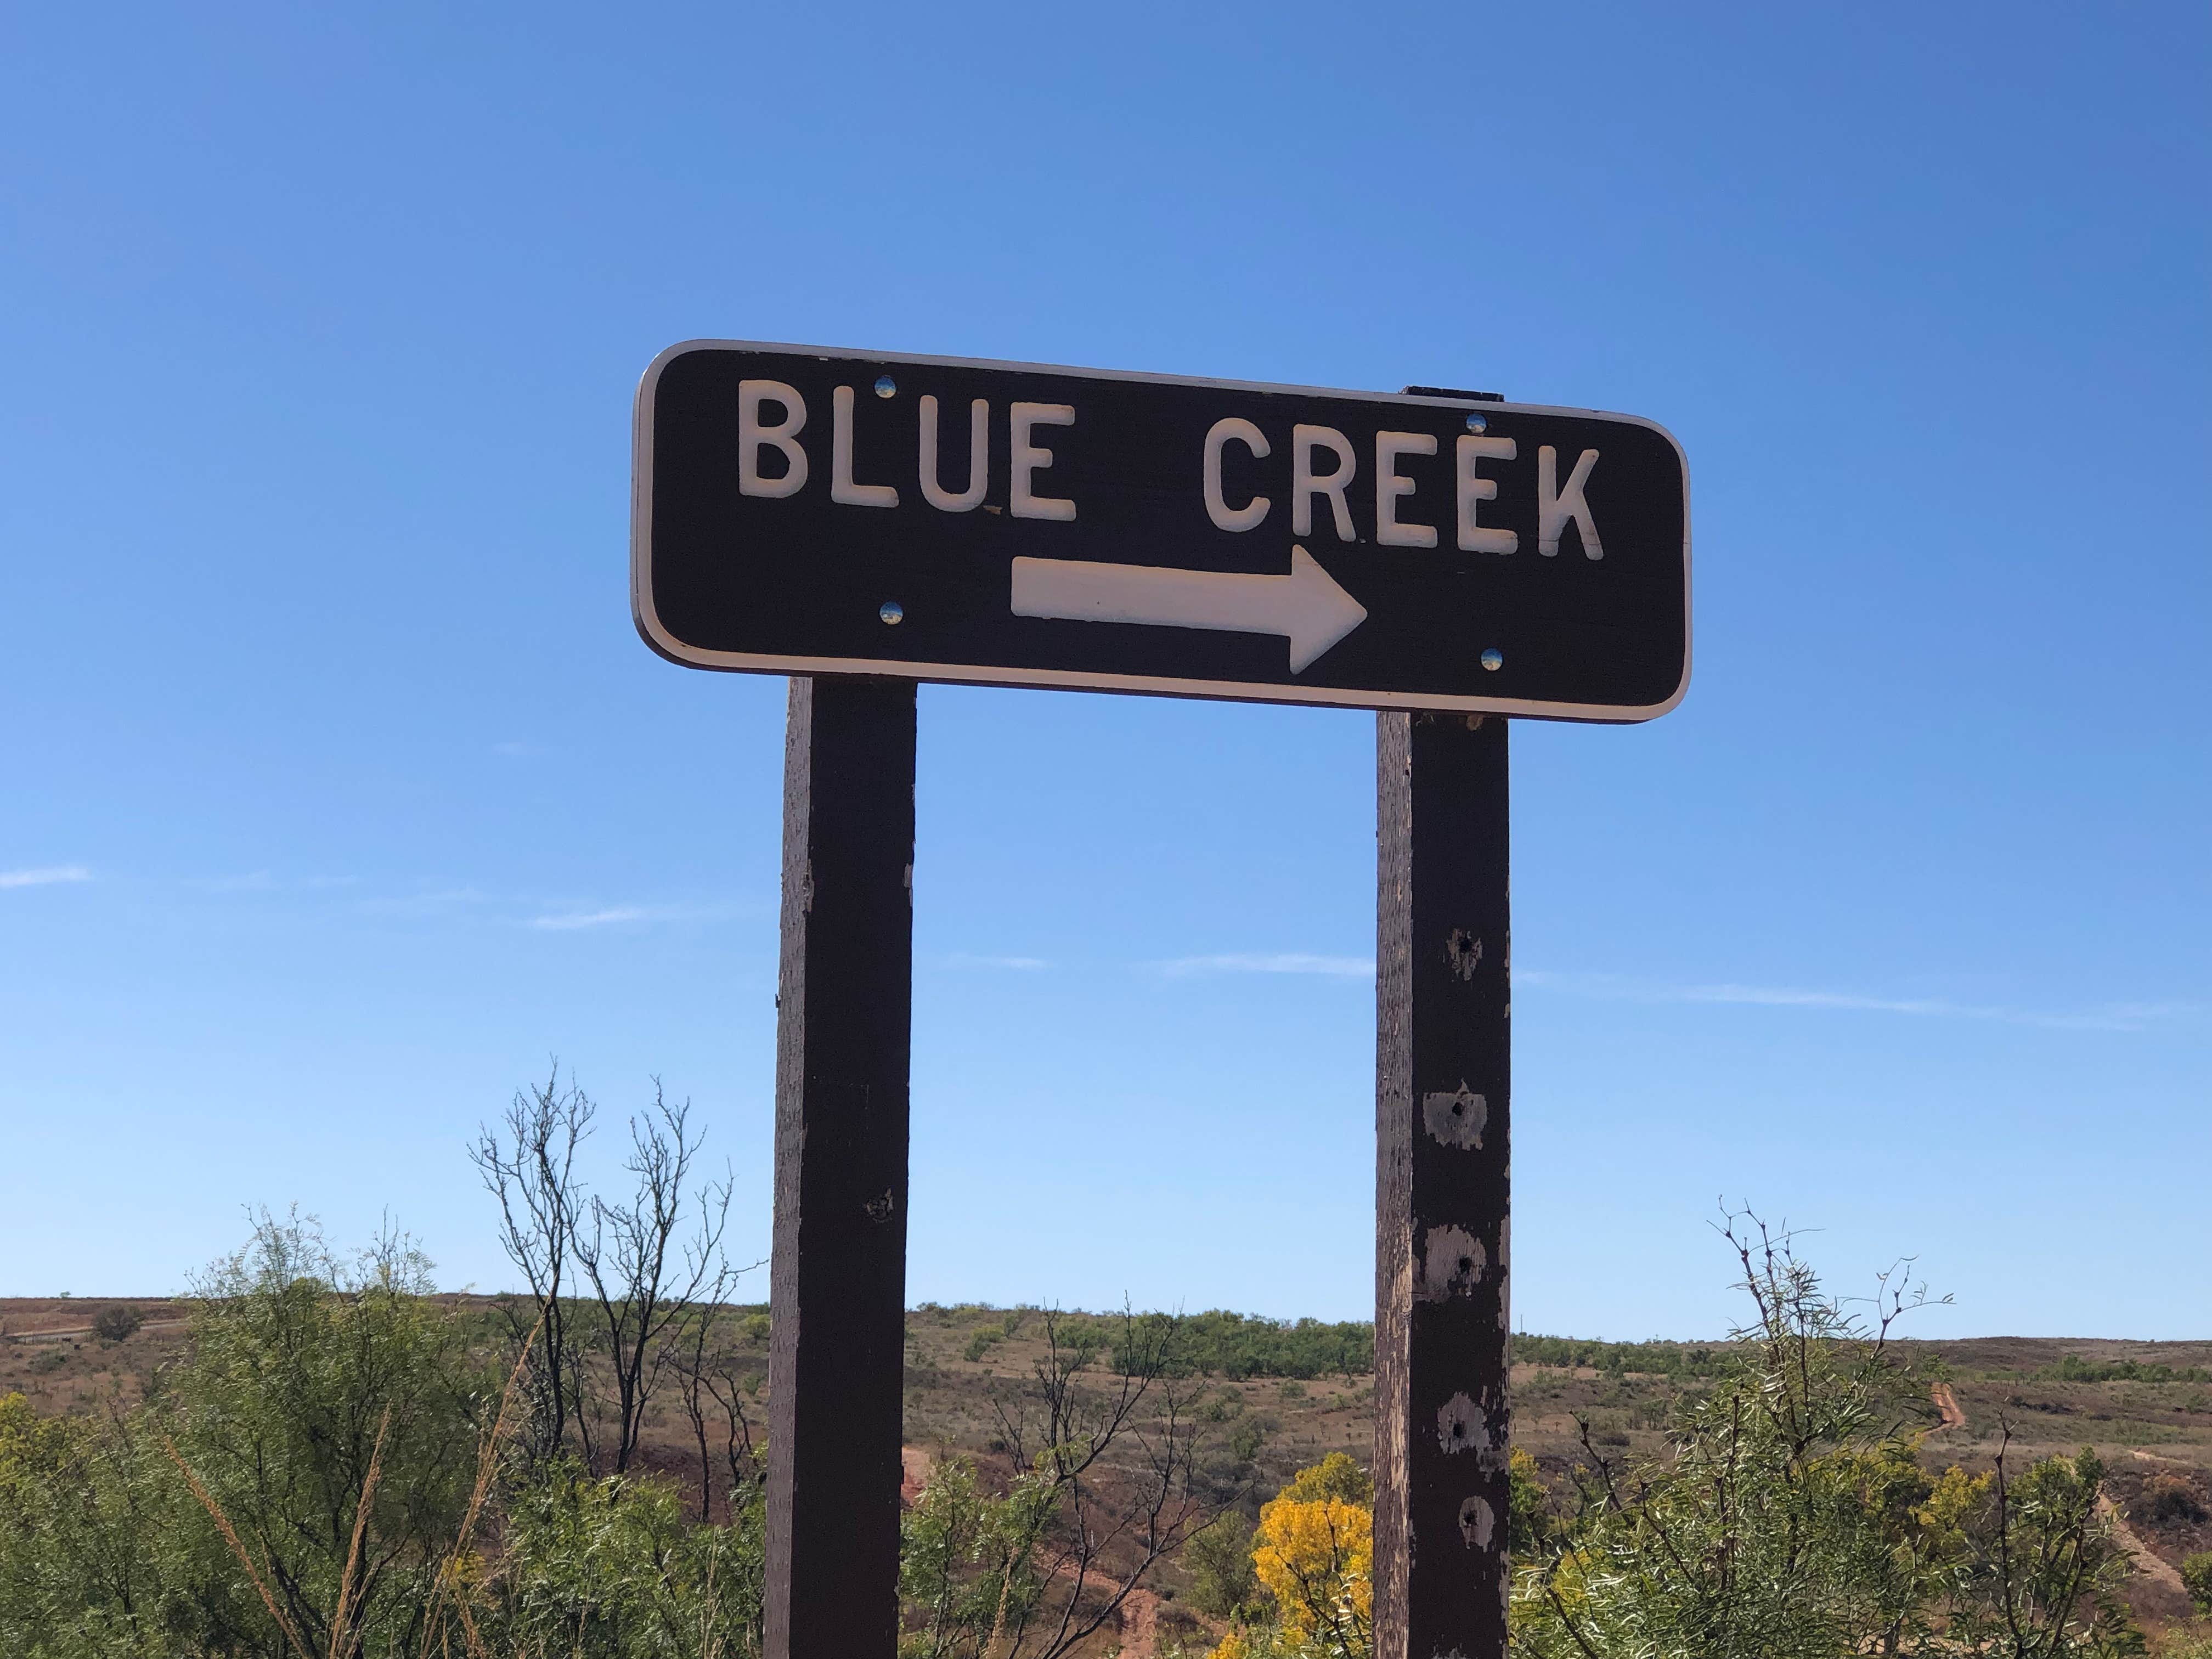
(1443,1074)
(837,1284)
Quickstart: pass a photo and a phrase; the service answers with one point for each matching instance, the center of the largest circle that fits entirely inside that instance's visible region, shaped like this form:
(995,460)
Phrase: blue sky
(339,792)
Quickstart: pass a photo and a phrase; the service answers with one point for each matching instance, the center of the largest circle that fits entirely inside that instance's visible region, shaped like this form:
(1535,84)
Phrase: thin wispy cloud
(517,751)
(262,881)
(1275,961)
(570,921)
(51,875)
(1019,964)
(576,917)
(427,902)
(2107,1017)
(2103,1017)
(550,913)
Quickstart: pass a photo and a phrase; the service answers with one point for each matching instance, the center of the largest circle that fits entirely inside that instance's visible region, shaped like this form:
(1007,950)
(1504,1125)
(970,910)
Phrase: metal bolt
(892,612)
(1475,423)
(885,387)
(1492,658)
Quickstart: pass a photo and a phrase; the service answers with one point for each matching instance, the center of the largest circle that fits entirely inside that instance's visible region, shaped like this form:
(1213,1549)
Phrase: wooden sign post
(864,522)
(1443,1078)
(837,1275)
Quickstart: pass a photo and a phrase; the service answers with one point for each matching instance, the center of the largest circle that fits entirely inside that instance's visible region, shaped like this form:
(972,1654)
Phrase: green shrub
(117,1324)
(612,1568)
(1788,1518)
(1222,1580)
(1617,1359)
(1242,1345)
(2196,1579)
(307,1483)
(2072,1367)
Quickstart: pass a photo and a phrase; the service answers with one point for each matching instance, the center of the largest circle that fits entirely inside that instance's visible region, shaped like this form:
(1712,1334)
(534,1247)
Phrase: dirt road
(1947,1403)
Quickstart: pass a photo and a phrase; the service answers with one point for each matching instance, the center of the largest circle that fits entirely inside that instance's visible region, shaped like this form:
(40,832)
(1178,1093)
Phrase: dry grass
(230,1536)
(465,1544)
(350,1588)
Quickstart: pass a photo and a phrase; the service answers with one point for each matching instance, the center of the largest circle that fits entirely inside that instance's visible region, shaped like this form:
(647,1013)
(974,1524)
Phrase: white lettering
(1224,517)
(842,489)
(1555,507)
(1474,490)
(1304,486)
(752,435)
(1389,485)
(1022,501)
(979,458)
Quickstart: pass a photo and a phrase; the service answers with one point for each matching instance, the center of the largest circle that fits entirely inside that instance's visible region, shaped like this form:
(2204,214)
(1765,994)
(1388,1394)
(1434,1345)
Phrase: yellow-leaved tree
(1315,1554)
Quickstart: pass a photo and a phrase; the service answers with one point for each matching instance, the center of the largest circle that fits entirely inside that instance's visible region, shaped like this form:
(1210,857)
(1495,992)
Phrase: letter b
(753,437)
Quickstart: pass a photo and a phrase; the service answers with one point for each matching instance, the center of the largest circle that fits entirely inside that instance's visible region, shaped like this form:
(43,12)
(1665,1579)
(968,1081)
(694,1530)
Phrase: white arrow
(1306,606)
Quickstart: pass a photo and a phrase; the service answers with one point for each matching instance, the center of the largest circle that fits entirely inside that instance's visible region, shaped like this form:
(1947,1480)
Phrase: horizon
(469,1291)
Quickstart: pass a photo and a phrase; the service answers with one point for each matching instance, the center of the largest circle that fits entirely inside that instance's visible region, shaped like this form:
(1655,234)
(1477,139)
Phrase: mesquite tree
(618,1288)
(1791,1517)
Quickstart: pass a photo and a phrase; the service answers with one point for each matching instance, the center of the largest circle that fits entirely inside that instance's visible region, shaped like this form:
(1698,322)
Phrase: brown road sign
(811,511)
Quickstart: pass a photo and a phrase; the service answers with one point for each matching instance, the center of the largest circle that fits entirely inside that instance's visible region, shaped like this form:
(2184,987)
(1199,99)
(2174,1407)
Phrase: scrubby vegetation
(117,1324)
(1655,1358)
(340,1462)
(1792,1515)
(1789,1517)
(331,1461)
(1237,1346)
(2196,1579)
(2074,1369)
(330,1470)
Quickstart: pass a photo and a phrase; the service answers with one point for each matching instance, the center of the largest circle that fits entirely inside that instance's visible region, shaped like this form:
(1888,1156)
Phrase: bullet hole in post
(1460,1425)
(1478,1524)
(1463,950)
(1456,1117)
(1451,1263)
